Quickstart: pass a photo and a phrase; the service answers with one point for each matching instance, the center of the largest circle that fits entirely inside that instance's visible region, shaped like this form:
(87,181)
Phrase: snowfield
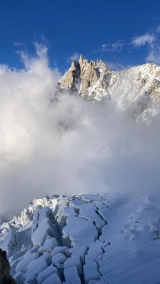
(90,238)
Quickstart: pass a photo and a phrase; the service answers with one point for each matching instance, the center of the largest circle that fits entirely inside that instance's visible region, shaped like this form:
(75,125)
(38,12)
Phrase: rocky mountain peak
(94,80)
(83,75)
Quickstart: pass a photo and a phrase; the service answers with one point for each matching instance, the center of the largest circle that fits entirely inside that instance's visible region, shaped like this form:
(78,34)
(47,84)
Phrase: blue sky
(122,33)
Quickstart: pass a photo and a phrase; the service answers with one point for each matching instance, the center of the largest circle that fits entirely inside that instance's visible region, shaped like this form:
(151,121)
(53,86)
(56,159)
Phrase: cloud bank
(60,144)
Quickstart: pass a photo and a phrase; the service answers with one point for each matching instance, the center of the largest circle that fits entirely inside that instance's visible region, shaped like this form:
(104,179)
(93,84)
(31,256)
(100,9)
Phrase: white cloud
(62,144)
(153,43)
(17,43)
(158,29)
(114,47)
(144,39)
(75,56)
(41,49)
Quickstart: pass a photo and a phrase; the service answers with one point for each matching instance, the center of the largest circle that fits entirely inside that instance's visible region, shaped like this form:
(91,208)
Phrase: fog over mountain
(55,139)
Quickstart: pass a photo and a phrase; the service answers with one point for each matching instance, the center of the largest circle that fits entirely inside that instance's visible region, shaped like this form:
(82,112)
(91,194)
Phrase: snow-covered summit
(95,81)
(90,238)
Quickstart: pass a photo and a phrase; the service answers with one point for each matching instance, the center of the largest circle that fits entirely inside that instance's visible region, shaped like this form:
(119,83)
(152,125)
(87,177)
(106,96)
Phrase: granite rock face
(87,78)
(5,278)
(70,79)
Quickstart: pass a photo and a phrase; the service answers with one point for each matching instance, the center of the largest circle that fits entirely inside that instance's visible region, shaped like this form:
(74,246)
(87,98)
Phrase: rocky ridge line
(94,80)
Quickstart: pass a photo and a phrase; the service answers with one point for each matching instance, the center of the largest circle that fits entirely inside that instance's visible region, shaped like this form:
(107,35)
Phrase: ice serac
(111,239)
(95,81)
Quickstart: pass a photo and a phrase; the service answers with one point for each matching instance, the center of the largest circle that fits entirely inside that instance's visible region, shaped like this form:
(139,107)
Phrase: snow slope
(91,238)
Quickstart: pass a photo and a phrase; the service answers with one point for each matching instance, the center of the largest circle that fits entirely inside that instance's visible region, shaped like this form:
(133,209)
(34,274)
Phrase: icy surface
(35,268)
(9,240)
(91,271)
(74,261)
(91,238)
(49,245)
(25,262)
(54,279)
(42,276)
(58,260)
(77,228)
(71,276)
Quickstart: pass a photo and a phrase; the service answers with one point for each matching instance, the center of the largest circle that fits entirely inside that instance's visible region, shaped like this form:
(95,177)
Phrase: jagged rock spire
(70,79)
(81,60)
(82,75)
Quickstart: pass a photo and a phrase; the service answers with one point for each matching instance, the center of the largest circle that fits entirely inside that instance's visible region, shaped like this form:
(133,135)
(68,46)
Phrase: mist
(62,144)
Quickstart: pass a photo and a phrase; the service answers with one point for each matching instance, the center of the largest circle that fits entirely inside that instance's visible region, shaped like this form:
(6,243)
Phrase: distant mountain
(93,80)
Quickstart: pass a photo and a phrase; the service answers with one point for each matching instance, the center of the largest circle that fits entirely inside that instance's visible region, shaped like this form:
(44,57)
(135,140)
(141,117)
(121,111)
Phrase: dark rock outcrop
(5,278)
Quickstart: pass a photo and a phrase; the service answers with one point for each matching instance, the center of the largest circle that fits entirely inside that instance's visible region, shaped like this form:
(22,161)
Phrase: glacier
(85,238)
